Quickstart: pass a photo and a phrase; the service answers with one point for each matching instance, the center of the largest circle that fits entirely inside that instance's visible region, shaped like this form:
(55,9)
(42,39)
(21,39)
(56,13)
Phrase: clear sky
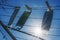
(34,21)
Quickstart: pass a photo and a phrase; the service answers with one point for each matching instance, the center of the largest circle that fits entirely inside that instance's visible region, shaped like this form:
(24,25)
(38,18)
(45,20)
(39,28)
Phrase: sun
(37,31)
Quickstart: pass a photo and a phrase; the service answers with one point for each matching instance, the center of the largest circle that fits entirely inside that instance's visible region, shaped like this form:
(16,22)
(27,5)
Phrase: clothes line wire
(37,26)
(31,17)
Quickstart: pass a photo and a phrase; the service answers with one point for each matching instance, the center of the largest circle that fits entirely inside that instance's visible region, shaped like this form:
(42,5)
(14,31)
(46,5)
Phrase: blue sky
(34,20)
